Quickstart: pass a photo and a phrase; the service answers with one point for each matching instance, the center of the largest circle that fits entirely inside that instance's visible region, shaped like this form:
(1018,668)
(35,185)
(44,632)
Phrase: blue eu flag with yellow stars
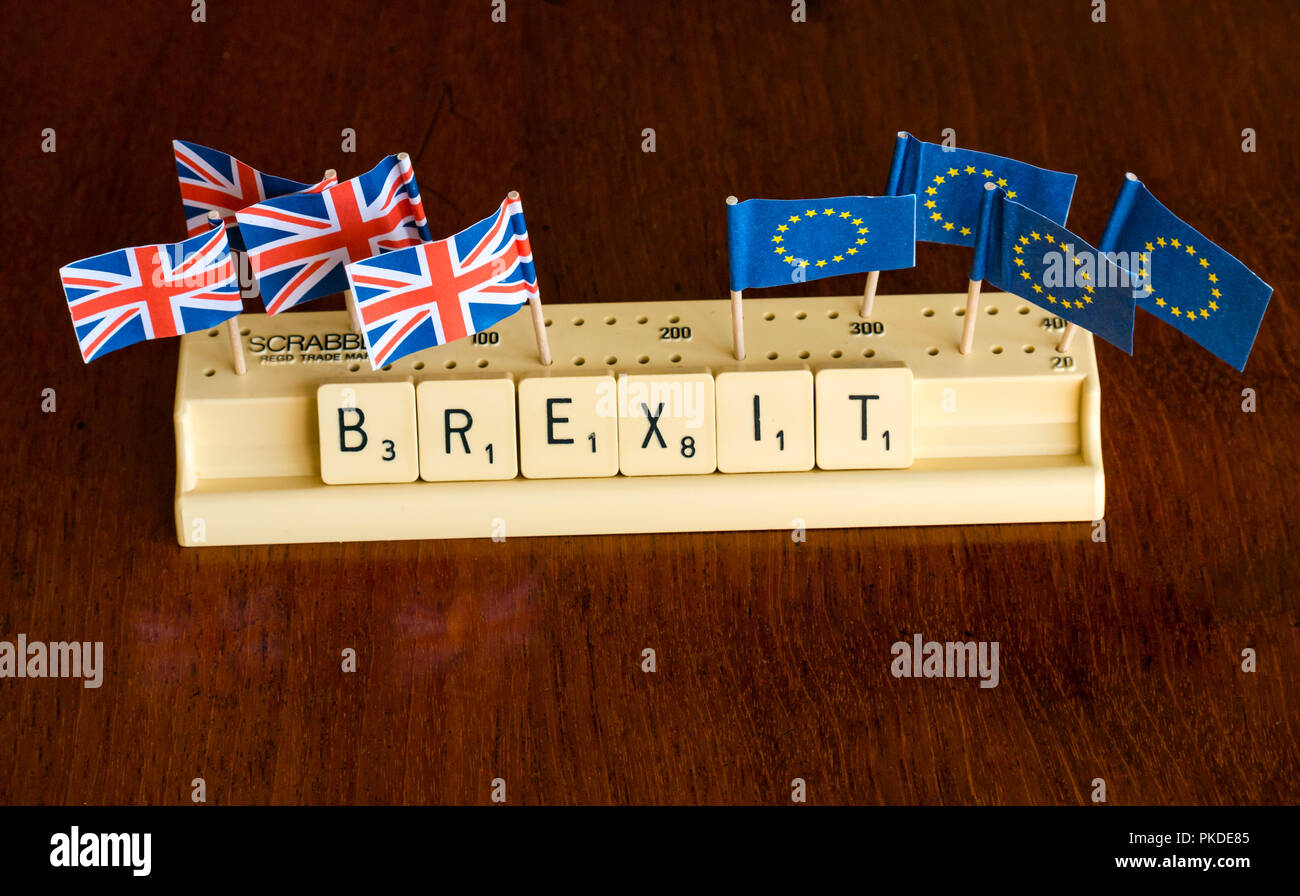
(776,242)
(1025,254)
(949,187)
(1190,282)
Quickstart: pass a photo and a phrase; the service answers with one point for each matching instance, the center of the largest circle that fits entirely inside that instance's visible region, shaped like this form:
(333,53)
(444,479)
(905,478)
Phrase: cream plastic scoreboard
(645,422)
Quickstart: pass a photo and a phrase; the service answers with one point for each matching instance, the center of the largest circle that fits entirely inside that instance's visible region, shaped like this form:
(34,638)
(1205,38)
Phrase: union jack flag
(148,292)
(214,181)
(298,244)
(433,293)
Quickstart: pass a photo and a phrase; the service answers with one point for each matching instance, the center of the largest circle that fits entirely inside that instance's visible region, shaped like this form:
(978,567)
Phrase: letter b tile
(367,433)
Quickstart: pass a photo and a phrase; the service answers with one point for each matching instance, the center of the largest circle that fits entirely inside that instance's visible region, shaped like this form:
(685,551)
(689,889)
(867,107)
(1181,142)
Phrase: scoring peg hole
(244,331)
(932,351)
(1029,349)
(992,309)
(643,319)
(769,316)
(209,372)
(611,361)
(868,353)
(997,349)
(548,322)
(803,355)
(578,362)
(1023,309)
(418,365)
(772,356)
(801,315)
(644,359)
(213,332)
(577,321)
(354,367)
(960,312)
(610,321)
(674,319)
(837,354)
(482,362)
(928,312)
(832,314)
(450,365)
(386,368)
(676,359)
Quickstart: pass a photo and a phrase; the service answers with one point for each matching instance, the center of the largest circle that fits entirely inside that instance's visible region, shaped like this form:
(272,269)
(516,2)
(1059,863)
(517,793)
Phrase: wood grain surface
(521,660)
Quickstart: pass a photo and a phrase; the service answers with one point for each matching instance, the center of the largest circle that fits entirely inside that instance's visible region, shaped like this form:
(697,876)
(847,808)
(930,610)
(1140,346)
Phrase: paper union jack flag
(298,244)
(148,292)
(436,292)
(214,181)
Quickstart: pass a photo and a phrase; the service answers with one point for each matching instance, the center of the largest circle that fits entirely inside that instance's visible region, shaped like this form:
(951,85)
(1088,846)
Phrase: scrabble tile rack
(1008,433)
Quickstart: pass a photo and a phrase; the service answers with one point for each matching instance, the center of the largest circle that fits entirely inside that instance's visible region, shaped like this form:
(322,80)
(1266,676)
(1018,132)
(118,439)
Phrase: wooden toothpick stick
(417,204)
(737,313)
(236,346)
(535,303)
(354,313)
(737,325)
(232,325)
(869,294)
(972,313)
(1066,338)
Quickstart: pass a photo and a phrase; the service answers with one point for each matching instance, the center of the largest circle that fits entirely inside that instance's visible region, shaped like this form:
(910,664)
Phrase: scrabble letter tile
(665,424)
(367,432)
(765,420)
(568,427)
(467,429)
(864,418)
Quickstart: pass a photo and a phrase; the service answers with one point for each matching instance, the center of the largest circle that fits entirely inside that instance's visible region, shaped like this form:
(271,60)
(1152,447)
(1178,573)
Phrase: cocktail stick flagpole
(737,313)
(535,305)
(978,261)
(869,294)
(737,325)
(895,176)
(417,204)
(232,325)
(1067,338)
(972,313)
(1104,248)
(354,313)
(236,345)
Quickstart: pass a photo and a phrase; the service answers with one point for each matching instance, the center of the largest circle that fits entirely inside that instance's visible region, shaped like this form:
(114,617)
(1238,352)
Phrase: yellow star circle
(1188,250)
(952,174)
(857,234)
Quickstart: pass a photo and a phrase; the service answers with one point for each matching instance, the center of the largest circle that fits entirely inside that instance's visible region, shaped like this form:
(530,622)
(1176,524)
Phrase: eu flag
(949,186)
(1193,284)
(774,242)
(1024,253)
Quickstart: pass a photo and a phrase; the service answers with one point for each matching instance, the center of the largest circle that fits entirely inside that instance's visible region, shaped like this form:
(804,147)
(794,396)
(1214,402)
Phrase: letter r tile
(467,429)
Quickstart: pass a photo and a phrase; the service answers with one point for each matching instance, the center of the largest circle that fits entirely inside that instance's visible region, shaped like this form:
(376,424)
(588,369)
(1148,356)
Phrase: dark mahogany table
(1120,660)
